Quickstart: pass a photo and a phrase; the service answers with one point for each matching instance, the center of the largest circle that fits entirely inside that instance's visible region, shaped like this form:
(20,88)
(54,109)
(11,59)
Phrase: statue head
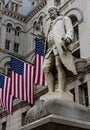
(53,8)
(53,12)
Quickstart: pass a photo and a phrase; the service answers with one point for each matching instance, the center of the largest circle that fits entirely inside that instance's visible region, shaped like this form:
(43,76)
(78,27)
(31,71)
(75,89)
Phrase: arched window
(76,48)
(17,31)
(57,2)
(7,68)
(75,26)
(41,20)
(34,25)
(9,27)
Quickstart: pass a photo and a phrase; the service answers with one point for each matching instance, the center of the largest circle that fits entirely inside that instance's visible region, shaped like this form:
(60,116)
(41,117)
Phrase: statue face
(52,13)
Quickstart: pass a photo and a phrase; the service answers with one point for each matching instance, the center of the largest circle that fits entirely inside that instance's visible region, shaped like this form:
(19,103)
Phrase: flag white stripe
(12,83)
(25,81)
(20,86)
(4,94)
(37,71)
(41,79)
(28,84)
(32,71)
(7,93)
(16,80)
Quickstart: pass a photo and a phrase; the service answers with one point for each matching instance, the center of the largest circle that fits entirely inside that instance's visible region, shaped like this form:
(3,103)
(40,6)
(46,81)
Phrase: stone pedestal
(56,114)
(57,95)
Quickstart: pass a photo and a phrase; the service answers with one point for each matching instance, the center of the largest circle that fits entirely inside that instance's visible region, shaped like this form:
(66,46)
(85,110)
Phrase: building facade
(16,39)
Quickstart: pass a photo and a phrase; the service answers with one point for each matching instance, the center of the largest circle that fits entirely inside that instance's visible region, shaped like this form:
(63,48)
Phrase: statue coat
(63,28)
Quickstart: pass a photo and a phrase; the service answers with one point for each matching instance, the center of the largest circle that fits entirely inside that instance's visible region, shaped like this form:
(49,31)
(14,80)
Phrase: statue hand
(42,38)
(67,40)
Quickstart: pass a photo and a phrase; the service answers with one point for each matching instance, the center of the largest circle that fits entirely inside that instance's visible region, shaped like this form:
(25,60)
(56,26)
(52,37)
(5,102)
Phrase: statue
(58,57)
(58,61)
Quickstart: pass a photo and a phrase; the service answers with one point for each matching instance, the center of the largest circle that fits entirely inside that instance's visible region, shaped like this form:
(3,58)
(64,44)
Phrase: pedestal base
(57,95)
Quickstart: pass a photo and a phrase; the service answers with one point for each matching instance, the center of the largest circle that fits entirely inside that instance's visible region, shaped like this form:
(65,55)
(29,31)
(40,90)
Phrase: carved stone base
(57,107)
(57,95)
(56,114)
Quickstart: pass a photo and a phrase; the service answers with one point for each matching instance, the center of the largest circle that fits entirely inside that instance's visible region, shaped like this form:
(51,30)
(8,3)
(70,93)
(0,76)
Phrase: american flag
(39,58)
(22,85)
(6,100)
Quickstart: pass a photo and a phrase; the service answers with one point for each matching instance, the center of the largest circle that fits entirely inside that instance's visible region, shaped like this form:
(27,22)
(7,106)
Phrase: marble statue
(58,60)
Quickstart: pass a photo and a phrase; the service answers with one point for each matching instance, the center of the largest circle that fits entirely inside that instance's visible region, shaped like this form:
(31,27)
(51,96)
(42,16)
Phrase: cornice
(15,15)
(29,16)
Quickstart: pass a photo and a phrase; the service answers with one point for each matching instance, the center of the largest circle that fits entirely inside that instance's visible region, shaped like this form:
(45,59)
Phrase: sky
(26,6)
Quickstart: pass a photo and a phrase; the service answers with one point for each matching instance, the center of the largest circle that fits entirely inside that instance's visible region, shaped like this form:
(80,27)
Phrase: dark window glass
(16,47)
(83,94)
(73,92)
(7,45)
(4,126)
(23,118)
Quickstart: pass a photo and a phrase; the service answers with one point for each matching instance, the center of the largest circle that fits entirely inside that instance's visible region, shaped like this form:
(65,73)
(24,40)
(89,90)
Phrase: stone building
(16,27)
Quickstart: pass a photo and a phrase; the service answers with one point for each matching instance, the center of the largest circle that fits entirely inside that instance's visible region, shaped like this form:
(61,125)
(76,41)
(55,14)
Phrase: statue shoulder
(66,18)
(59,18)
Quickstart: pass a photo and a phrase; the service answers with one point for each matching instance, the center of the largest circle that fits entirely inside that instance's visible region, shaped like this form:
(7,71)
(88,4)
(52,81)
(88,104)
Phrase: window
(75,27)
(23,118)
(17,31)
(16,47)
(7,44)
(9,27)
(34,25)
(4,126)
(73,93)
(7,69)
(57,2)
(76,51)
(83,94)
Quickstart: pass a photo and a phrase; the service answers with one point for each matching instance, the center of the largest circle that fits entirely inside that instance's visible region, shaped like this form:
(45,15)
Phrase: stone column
(36,2)
(9,5)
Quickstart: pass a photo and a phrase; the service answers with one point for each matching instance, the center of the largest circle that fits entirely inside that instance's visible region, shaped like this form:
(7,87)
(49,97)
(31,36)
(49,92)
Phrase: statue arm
(69,30)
